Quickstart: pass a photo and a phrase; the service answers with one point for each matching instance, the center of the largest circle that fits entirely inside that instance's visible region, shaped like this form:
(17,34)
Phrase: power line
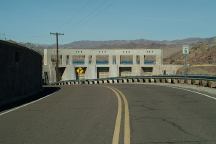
(84,6)
(97,12)
(103,5)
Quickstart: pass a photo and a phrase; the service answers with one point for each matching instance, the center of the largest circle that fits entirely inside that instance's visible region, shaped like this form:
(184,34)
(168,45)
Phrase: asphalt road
(88,114)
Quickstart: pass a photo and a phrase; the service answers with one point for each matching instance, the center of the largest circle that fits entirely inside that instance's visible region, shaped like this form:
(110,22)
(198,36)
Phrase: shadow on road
(8,104)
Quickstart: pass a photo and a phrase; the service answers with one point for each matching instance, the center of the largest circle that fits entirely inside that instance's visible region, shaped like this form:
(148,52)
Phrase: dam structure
(77,64)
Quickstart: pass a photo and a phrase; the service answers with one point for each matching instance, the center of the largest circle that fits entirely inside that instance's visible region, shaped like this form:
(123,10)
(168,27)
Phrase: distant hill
(170,48)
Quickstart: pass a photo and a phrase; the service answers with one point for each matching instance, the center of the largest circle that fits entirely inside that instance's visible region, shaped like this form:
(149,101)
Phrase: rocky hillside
(200,53)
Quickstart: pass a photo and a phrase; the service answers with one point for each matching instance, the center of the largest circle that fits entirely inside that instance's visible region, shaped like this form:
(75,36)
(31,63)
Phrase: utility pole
(57,55)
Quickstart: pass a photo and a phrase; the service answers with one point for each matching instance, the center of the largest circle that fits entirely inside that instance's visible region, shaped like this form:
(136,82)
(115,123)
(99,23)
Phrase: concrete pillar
(134,60)
(93,59)
(91,72)
(141,59)
(136,70)
(86,59)
(158,59)
(70,59)
(118,59)
(113,71)
(69,73)
(63,63)
(52,74)
(110,59)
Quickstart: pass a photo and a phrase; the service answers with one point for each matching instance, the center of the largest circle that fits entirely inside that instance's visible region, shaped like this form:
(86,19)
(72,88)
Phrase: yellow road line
(127,119)
(116,134)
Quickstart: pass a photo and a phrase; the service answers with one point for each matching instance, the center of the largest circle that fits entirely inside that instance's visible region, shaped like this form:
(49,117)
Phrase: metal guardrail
(207,81)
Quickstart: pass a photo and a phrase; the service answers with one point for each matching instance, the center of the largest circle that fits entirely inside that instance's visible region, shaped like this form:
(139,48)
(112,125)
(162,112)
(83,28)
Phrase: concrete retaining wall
(20,72)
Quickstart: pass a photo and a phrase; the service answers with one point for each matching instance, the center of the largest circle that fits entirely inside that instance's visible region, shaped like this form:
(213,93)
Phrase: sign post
(185,51)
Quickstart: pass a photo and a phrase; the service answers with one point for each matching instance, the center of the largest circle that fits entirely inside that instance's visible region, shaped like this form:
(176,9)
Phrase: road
(113,114)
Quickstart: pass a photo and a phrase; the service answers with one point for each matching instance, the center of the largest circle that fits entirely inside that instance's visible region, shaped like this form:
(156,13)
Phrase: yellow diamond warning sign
(80,70)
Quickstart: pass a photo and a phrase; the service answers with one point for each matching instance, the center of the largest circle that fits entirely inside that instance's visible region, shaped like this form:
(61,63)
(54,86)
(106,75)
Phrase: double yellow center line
(120,96)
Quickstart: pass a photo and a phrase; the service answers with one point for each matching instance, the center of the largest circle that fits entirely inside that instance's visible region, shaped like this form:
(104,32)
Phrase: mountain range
(170,48)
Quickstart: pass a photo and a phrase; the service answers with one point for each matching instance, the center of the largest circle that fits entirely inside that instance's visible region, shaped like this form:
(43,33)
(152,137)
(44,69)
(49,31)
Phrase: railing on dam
(207,81)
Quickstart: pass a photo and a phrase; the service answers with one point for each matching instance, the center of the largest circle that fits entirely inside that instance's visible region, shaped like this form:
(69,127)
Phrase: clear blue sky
(33,20)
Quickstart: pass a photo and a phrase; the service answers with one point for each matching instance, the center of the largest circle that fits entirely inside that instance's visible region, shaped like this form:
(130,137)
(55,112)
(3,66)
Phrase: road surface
(113,114)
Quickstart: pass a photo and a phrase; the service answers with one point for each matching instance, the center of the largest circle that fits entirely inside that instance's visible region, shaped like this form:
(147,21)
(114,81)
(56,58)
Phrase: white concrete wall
(91,71)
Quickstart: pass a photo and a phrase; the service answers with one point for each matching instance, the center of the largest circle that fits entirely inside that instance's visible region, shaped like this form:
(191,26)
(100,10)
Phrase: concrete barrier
(212,84)
(130,81)
(181,80)
(124,80)
(204,83)
(100,82)
(163,80)
(141,80)
(169,80)
(152,80)
(135,80)
(188,81)
(20,72)
(196,82)
(120,81)
(105,81)
(175,81)
(157,80)
(115,81)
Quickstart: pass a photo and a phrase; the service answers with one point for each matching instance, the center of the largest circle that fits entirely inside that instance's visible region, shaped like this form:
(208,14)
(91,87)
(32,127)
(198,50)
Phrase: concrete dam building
(75,64)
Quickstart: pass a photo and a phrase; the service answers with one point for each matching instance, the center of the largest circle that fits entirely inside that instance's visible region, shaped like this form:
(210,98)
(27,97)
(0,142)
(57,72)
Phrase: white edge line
(24,105)
(176,87)
(211,97)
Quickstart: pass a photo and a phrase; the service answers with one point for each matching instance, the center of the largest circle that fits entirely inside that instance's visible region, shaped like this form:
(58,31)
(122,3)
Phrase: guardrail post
(175,81)
(120,81)
(212,84)
(124,80)
(204,83)
(182,81)
(115,81)
(100,82)
(169,80)
(157,80)
(135,80)
(189,81)
(163,80)
(146,80)
(196,82)
(105,81)
(141,80)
